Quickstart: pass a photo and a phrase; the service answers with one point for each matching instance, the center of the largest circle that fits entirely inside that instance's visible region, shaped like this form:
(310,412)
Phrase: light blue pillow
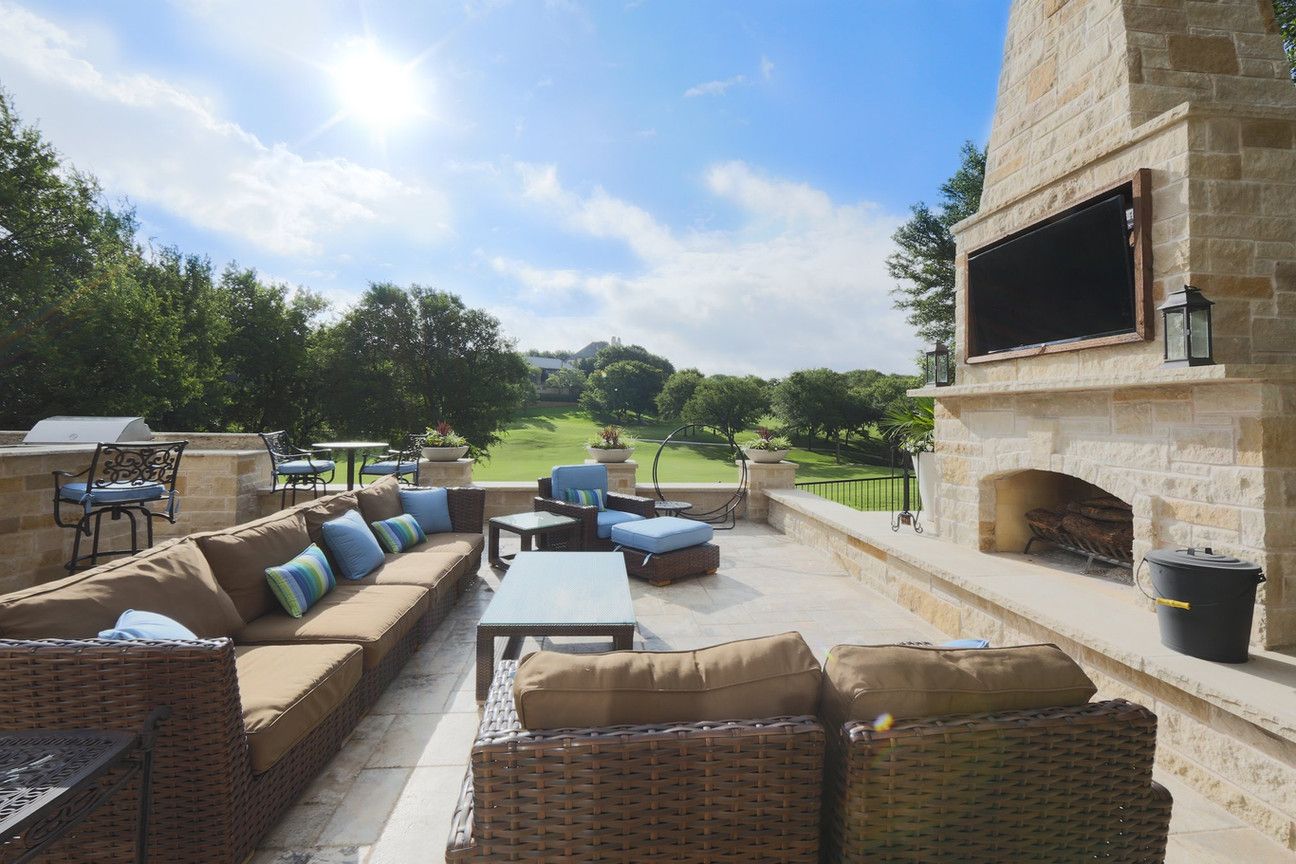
(354,548)
(430,507)
(146,625)
(965,643)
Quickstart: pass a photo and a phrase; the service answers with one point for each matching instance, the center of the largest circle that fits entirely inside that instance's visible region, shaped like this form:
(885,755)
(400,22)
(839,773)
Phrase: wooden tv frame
(1140,185)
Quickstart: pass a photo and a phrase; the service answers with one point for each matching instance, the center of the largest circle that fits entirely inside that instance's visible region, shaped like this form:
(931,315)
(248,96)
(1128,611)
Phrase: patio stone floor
(388,795)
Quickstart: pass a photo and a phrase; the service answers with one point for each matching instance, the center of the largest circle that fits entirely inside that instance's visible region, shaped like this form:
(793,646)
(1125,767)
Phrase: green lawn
(543,437)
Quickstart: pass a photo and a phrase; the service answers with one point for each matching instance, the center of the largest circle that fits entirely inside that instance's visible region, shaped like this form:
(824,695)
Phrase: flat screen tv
(1068,279)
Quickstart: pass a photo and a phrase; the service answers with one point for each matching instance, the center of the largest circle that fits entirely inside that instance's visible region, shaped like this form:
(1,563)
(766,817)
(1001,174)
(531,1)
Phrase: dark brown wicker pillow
(862,682)
(773,676)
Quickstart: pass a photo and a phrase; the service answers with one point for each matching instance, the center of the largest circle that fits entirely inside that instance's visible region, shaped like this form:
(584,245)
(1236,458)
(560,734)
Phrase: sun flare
(373,88)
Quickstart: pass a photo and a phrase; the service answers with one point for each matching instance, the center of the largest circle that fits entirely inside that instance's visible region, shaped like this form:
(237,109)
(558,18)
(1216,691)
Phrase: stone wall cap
(1237,373)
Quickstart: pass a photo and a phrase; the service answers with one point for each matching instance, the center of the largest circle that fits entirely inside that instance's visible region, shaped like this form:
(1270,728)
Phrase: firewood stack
(1102,522)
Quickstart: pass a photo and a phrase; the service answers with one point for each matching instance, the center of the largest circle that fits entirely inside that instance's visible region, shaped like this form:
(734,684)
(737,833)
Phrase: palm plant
(911,425)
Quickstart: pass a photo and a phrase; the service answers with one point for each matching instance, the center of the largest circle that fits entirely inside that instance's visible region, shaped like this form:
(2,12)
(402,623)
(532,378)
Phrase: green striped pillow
(398,533)
(585,497)
(298,584)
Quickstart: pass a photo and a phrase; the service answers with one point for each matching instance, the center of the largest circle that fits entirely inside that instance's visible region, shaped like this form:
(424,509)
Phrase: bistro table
(526,526)
(556,594)
(350,448)
(51,780)
(671,508)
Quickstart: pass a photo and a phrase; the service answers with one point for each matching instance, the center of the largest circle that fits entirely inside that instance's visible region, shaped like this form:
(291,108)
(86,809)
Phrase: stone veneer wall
(1197,92)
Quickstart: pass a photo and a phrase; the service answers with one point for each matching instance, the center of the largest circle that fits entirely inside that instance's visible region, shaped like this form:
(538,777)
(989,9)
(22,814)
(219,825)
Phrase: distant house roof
(543,362)
(589,350)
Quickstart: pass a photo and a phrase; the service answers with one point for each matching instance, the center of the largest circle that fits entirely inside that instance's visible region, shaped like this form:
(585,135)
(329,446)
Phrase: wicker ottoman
(667,548)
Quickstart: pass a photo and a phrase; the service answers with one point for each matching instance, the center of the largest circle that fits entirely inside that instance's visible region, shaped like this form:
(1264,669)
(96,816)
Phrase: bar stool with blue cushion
(296,468)
(404,463)
(558,495)
(123,480)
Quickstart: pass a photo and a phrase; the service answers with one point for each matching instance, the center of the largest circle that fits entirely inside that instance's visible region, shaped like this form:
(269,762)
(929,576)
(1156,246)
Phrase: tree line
(94,322)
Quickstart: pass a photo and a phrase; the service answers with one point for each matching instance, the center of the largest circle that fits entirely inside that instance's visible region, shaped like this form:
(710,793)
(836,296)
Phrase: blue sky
(716,181)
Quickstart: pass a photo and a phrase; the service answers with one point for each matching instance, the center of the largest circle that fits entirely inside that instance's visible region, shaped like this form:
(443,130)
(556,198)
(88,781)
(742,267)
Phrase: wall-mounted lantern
(1186,328)
(936,367)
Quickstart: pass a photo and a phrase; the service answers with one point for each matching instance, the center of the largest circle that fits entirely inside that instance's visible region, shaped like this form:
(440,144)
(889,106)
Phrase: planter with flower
(609,445)
(913,429)
(766,447)
(444,444)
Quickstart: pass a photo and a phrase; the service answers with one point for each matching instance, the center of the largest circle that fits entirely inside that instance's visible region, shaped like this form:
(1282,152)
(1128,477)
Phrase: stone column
(762,477)
(621,475)
(456,473)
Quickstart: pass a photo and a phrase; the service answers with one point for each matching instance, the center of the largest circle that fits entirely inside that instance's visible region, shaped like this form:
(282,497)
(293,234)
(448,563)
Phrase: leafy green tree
(616,353)
(676,392)
(813,401)
(1285,14)
(569,379)
(621,388)
(924,263)
(730,403)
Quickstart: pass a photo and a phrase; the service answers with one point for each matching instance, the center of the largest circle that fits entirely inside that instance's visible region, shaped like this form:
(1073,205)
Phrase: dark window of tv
(1067,279)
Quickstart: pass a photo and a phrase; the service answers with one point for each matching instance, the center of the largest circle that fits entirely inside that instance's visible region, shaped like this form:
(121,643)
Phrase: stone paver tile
(333,783)
(420,824)
(416,694)
(300,827)
(359,819)
(321,855)
(427,739)
(1229,846)
(1192,811)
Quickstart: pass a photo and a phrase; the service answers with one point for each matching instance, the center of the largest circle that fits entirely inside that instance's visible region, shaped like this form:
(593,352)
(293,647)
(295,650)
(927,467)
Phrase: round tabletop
(672,506)
(348,445)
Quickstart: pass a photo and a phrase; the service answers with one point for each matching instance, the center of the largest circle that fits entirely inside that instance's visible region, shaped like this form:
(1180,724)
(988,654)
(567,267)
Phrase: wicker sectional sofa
(260,702)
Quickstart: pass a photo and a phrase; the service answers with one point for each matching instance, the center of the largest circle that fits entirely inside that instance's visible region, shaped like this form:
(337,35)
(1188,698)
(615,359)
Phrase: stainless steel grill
(88,430)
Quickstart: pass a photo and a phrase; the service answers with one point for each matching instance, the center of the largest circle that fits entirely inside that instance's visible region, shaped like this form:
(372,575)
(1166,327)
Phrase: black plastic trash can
(1204,602)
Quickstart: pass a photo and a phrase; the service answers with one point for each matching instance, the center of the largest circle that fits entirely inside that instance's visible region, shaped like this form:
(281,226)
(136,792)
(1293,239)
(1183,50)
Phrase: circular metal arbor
(726,515)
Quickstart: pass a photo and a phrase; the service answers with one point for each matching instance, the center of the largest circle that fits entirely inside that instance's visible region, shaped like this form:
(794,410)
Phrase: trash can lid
(1201,559)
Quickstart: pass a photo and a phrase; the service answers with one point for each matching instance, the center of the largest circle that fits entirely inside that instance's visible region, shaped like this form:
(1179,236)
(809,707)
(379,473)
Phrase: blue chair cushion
(663,534)
(608,518)
(965,643)
(301,466)
(389,467)
(566,477)
(113,493)
(429,507)
(146,625)
(354,547)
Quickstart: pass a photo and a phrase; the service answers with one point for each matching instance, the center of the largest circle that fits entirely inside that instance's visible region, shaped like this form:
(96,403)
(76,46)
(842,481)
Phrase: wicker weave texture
(742,791)
(1060,784)
(666,567)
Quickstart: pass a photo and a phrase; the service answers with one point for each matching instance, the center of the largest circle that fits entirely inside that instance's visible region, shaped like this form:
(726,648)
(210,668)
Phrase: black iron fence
(893,492)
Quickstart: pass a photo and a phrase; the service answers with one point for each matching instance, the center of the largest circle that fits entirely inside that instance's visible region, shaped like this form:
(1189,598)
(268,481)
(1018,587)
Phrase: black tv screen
(1067,279)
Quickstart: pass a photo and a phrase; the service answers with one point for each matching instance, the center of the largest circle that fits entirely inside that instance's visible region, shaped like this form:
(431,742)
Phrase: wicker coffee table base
(663,569)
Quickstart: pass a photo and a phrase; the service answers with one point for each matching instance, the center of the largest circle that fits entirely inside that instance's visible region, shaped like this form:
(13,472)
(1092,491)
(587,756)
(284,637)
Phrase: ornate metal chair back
(279,447)
(135,464)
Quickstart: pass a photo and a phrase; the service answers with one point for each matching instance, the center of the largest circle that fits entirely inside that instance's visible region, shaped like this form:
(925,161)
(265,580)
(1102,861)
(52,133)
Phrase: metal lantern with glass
(1186,328)
(936,369)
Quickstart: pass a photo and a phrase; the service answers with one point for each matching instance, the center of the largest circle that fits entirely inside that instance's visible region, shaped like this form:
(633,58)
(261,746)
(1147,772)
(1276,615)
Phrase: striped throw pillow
(398,533)
(586,497)
(302,581)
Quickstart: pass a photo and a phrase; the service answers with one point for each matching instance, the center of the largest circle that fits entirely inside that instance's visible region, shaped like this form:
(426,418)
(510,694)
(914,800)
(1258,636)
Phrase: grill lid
(88,430)
(1200,559)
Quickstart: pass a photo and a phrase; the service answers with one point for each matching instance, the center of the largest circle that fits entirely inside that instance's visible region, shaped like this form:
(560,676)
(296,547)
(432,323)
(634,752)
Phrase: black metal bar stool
(122,480)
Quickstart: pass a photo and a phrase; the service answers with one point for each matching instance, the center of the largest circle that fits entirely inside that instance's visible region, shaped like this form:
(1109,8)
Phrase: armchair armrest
(586,515)
(467,508)
(631,504)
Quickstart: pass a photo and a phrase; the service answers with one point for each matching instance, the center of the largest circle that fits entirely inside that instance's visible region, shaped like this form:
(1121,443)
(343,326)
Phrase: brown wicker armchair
(741,791)
(588,516)
(1055,784)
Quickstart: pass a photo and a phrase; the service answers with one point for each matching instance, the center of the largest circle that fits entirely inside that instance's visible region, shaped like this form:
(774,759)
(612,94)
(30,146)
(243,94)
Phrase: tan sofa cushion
(772,676)
(862,682)
(326,509)
(288,690)
(172,579)
(411,568)
(375,617)
(380,500)
(240,555)
(459,543)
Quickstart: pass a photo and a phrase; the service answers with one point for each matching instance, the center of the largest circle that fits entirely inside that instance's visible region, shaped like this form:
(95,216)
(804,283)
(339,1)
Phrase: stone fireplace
(1093,92)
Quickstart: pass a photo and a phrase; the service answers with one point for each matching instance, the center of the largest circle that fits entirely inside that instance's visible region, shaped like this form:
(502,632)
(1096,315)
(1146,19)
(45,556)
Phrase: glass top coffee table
(556,594)
(527,526)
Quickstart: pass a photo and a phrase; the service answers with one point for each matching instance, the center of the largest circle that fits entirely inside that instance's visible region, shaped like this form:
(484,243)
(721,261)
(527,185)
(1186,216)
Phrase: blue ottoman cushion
(609,519)
(663,534)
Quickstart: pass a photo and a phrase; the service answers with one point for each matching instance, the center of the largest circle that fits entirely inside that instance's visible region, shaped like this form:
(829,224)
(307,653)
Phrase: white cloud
(798,282)
(163,144)
(714,88)
(766,67)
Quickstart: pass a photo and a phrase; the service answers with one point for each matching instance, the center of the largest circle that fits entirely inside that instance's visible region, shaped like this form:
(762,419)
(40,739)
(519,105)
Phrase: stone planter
(765,457)
(444,454)
(925,468)
(605,454)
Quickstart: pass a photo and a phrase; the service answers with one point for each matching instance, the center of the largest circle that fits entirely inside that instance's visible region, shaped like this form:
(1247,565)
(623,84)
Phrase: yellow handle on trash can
(1174,604)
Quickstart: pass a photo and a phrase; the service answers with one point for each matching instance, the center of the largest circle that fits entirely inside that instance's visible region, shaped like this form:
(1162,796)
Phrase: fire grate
(1091,549)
